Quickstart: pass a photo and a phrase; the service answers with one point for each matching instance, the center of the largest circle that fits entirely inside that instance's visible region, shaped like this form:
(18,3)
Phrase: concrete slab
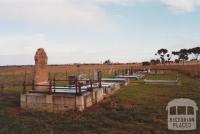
(122,81)
(164,82)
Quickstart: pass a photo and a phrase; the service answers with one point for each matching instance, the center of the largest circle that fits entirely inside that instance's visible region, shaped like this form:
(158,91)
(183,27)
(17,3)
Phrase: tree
(176,54)
(182,55)
(158,61)
(77,64)
(196,52)
(162,52)
(107,62)
(146,63)
(177,60)
(155,61)
(169,56)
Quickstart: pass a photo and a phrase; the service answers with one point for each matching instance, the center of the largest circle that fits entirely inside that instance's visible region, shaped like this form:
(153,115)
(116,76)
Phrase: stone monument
(41,71)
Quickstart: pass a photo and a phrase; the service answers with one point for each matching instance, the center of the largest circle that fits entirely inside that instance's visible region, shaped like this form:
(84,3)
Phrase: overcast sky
(85,31)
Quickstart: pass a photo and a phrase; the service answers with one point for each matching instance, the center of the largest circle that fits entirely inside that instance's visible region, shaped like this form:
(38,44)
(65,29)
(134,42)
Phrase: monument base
(60,102)
(42,86)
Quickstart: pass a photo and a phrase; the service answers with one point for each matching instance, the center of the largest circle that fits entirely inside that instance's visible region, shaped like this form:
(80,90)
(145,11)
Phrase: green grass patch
(136,108)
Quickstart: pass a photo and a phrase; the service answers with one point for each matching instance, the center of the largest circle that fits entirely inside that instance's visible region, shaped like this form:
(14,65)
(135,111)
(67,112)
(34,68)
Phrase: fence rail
(77,84)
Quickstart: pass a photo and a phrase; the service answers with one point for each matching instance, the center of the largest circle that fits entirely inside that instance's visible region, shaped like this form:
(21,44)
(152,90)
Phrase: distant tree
(155,61)
(169,56)
(77,64)
(146,63)
(175,53)
(196,52)
(158,61)
(183,55)
(162,52)
(107,62)
(177,60)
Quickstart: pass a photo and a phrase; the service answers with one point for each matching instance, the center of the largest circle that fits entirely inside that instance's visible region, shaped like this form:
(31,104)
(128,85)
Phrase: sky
(92,31)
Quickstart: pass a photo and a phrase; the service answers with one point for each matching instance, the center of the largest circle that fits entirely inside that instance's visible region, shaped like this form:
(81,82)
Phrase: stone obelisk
(41,71)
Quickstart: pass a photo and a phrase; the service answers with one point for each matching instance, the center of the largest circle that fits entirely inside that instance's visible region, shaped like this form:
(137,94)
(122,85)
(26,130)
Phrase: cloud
(67,14)
(21,44)
(182,5)
(21,49)
(28,44)
(74,14)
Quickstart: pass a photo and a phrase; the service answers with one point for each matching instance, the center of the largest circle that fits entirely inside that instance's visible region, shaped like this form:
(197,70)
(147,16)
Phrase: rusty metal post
(79,88)
(33,85)
(24,87)
(131,71)
(66,76)
(99,78)
(2,90)
(91,87)
(75,102)
(50,87)
(76,86)
(115,73)
(24,84)
(54,82)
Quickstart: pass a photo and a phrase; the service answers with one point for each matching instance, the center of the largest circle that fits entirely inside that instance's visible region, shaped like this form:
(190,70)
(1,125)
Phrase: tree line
(165,57)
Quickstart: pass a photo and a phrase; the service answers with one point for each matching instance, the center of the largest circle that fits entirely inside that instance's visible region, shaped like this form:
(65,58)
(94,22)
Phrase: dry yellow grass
(18,72)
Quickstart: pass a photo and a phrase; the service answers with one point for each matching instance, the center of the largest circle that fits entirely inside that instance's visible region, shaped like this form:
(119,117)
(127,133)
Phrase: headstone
(41,71)
(148,70)
(128,72)
(95,75)
(82,77)
(72,80)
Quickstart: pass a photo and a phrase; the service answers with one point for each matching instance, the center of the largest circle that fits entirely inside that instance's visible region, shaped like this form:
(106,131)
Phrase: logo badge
(182,114)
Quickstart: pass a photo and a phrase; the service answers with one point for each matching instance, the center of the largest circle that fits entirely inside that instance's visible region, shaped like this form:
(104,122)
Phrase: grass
(136,108)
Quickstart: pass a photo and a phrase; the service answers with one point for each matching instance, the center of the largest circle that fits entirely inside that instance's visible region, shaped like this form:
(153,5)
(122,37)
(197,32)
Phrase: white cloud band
(182,5)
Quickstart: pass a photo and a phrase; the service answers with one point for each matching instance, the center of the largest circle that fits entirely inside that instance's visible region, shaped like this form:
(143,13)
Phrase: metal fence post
(50,87)
(24,87)
(2,90)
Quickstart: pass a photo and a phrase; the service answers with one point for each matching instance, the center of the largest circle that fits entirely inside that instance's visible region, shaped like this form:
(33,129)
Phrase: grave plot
(121,81)
(163,80)
(79,94)
(129,74)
